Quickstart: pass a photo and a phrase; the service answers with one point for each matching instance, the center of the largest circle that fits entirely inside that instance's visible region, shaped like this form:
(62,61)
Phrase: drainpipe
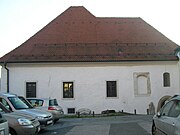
(178,55)
(5,66)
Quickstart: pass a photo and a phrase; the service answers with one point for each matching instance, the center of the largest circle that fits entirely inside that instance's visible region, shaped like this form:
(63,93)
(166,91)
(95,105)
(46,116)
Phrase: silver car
(167,121)
(20,124)
(15,104)
(48,104)
(4,129)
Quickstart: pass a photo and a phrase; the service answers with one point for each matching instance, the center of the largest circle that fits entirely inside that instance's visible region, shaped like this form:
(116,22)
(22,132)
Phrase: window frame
(71,110)
(26,85)
(63,94)
(115,95)
(166,79)
(136,77)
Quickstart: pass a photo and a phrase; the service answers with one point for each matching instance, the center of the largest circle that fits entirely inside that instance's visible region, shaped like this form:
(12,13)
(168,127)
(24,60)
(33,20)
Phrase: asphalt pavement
(114,125)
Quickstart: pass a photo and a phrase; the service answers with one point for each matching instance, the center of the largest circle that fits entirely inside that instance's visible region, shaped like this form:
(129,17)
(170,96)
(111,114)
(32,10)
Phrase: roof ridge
(120,17)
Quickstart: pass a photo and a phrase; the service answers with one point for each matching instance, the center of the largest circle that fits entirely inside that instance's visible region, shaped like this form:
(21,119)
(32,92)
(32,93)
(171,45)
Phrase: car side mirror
(158,114)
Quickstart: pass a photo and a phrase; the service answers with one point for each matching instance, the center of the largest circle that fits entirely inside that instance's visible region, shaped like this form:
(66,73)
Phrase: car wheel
(55,120)
(154,131)
(12,131)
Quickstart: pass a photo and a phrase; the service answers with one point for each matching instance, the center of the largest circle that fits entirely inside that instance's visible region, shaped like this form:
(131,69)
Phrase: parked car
(20,124)
(4,129)
(167,121)
(15,104)
(47,104)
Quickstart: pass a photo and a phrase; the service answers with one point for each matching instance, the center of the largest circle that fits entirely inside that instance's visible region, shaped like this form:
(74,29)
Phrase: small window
(68,90)
(30,89)
(71,110)
(53,102)
(111,89)
(166,79)
(36,102)
(5,103)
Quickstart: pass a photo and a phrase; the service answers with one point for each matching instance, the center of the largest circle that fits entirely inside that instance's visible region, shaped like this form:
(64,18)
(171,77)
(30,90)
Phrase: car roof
(42,98)
(8,94)
(175,97)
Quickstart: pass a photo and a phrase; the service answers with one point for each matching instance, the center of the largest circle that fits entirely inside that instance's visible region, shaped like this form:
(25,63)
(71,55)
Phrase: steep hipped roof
(77,35)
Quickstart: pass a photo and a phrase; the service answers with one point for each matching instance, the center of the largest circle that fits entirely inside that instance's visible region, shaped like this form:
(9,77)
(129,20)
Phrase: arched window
(166,79)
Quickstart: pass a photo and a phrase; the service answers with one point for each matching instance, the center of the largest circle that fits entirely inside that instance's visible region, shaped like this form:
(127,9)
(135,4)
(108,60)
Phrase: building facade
(96,86)
(120,64)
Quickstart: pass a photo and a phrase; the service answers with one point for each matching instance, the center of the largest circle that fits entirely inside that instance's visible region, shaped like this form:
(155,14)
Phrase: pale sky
(21,19)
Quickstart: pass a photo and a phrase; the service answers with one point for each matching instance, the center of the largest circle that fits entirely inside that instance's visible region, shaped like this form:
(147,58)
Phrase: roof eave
(2,63)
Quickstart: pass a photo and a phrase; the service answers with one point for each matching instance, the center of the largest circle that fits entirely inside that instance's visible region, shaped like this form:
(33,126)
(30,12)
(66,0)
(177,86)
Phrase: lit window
(68,90)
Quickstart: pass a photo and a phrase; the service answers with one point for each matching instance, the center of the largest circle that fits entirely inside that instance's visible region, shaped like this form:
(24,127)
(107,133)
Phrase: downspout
(177,53)
(5,66)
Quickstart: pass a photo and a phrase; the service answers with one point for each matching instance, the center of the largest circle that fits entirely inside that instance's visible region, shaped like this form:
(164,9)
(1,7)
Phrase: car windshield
(25,101)
(53,102)
(18,103)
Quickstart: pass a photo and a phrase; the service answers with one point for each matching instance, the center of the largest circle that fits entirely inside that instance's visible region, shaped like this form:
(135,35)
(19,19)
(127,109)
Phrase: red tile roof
(77,35)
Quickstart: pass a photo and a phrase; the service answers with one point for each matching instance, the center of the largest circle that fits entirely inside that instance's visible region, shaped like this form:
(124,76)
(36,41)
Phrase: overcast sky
(21,19)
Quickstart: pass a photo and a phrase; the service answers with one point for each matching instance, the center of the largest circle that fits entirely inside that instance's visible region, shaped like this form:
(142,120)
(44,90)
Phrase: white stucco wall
(90,83)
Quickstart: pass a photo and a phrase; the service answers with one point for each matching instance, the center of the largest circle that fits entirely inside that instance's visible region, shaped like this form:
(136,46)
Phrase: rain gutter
(5,66)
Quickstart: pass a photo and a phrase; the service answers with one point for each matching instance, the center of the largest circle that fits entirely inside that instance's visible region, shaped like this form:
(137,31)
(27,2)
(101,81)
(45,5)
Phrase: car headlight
(40,117)
(24,122)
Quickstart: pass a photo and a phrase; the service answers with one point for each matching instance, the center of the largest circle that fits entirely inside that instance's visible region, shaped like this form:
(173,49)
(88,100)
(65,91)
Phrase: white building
(96,63)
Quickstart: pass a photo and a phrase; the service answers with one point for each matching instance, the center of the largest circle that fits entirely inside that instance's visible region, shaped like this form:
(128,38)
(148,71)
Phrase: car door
(174,114)
(5,103)
(166,123)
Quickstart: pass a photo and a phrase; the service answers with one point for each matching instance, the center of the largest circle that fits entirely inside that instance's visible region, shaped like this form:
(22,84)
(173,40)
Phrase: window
(166,79)
(166,108)
(53,102)
(175,109)
(71,110)
(5,103)
(68,90)
(36,102)
(171,109)
(30,89)
(111,89)
(18,103)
